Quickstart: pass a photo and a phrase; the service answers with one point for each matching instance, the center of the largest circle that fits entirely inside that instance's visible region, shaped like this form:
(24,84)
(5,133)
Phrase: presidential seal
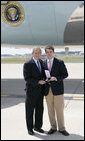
(12,13)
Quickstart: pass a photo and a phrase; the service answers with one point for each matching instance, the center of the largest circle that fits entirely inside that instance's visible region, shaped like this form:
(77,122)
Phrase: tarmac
(13,124)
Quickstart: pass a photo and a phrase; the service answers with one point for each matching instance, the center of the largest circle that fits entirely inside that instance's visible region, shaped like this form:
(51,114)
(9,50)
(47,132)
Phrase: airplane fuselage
(44,22)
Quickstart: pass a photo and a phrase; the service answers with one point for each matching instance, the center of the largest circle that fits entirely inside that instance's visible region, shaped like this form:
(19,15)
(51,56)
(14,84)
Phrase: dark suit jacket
(32,75)
(60,72)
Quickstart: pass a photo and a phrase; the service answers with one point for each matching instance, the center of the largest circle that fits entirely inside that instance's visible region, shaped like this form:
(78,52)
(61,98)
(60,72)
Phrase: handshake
(41,82)
(49,77)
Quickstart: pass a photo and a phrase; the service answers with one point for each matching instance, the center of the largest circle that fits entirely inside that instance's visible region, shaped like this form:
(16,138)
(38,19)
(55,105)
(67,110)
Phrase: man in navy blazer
(33,71)
(54,90)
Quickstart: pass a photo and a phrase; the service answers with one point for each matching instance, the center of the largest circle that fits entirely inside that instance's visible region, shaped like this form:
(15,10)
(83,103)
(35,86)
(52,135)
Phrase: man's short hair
(49,47)
(36,48)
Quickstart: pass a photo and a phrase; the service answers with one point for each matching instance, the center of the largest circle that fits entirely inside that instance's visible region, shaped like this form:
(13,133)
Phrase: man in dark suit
(55,90)
(33,74)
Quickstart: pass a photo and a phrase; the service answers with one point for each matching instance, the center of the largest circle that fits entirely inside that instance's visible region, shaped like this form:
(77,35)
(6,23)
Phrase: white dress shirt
(36,62)
(51,63)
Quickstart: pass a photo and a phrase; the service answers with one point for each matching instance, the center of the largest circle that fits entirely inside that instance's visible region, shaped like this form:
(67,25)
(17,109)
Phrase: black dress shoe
(51,131)
(39,130)
(30,132)
(64,132)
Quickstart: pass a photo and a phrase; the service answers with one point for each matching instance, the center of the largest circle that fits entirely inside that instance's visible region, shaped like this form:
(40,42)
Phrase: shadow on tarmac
(58,136)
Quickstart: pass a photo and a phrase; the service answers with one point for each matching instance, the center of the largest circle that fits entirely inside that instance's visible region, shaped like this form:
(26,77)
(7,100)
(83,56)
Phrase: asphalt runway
(12,90)
(16,87)
(13,124)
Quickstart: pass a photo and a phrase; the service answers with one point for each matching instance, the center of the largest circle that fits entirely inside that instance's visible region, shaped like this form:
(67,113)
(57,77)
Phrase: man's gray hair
(36,48)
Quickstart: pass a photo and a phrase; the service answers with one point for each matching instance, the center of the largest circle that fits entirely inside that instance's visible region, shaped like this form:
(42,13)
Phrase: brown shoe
(64,132)
(51,131)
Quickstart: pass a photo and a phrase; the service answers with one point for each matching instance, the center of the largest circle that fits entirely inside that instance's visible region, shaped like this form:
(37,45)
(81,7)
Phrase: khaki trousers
(55,106)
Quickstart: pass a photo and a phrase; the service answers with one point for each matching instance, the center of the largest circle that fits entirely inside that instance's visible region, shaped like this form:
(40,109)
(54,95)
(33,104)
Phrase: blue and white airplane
(39,23)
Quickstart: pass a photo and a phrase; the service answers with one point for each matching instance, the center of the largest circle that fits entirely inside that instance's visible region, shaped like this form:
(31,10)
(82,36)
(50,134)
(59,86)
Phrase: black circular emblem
(13,13)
